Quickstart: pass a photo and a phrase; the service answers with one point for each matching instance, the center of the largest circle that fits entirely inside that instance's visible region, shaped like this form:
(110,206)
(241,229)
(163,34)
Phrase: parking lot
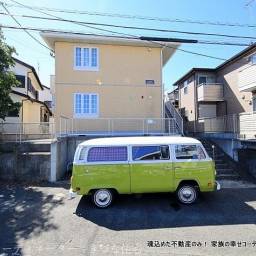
(41,220)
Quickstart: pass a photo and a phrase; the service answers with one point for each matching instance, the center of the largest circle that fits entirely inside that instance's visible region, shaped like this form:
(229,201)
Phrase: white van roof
(146,140)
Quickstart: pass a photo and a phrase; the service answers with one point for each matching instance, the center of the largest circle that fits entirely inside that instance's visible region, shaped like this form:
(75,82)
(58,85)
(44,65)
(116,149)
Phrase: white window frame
(82,67)
(85,115)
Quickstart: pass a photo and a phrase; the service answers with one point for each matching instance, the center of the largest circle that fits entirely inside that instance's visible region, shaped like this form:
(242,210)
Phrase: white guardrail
(116,126)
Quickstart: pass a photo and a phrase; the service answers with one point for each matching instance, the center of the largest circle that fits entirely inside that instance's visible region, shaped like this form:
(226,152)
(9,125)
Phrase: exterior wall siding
(246,77)
(237,101)
(119,82)
(118,65)
(187,101)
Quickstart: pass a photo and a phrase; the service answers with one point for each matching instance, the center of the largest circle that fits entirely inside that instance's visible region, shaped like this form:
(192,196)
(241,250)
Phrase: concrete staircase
(172,112)
(225,166)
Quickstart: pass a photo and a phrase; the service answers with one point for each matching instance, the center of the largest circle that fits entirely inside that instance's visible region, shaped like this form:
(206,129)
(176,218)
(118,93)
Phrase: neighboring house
(107,82)
(224,90)
(32,110)
(46,96)
(173,97)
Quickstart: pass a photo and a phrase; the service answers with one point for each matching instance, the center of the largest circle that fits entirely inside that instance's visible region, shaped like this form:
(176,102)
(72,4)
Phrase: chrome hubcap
(102,197)
(187,194)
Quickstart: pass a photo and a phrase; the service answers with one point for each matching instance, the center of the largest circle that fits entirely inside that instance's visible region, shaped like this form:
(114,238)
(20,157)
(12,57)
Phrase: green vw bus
(127,165)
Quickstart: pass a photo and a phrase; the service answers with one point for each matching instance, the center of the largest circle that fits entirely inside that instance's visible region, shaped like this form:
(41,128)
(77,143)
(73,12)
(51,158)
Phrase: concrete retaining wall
(247,157)
(226,141)
(236,149)
(19,164)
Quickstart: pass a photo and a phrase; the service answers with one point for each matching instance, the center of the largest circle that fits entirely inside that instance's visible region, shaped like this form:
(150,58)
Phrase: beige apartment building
(215,92)
(104,82)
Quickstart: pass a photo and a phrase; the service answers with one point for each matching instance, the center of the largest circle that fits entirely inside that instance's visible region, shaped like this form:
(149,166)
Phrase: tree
(7,79)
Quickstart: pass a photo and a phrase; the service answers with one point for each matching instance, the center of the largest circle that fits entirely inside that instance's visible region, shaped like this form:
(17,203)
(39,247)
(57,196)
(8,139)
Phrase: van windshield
(189,152)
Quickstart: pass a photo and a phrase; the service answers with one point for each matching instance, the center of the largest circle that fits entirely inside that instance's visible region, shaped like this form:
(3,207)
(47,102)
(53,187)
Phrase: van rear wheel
(187,194)
(103,198)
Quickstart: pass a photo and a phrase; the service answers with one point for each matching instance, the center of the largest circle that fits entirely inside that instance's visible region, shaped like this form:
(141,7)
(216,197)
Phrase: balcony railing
(116,126)
(210,92)
(242,126)
(26,131)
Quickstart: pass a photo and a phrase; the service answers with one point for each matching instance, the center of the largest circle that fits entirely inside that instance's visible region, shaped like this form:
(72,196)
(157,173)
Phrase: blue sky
(219,10)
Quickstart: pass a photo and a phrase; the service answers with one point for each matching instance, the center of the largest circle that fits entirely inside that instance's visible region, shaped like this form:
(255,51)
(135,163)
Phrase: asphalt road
(42,221)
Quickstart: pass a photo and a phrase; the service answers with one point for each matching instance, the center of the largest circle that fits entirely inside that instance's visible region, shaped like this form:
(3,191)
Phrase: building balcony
(212,92)
(246,79)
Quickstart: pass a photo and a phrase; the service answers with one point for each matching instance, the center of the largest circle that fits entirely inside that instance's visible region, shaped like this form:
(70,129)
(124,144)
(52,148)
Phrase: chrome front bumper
(71,194)
(217,185)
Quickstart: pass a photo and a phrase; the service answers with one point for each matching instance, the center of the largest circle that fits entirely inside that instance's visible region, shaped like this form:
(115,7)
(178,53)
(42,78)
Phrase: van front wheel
(102,198)
(187,194)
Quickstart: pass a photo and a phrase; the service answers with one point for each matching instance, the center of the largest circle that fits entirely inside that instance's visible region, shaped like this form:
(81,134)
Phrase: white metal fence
(243,125)
(26,131)
(116,126)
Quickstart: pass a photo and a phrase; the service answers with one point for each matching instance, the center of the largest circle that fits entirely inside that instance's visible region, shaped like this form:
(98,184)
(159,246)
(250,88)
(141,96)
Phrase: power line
(75,22)
(17,22)
(131,27)
(176,48)
(118,33)
(139,17)
(145,38)
(110,36)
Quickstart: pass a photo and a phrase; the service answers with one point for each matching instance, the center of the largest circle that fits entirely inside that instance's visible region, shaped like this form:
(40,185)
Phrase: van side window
(104,154)
(82,153)
(189,152)
(140,153)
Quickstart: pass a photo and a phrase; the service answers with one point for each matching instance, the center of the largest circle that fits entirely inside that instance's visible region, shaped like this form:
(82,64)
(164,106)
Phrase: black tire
(187,194)
(102,198)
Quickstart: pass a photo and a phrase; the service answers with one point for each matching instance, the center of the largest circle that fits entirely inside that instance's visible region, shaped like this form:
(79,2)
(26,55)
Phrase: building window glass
(253,59)
(78,56)
(254,103)
(13,113)
(105,154)
(94,57)
(86,58)
(189,152)
(185,87)
(31,88)
(202,80)
(21,79)
(140,153)
(86,104)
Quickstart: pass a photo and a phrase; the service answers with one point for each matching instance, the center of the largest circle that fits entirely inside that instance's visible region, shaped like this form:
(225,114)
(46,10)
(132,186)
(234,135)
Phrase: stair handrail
(175,114)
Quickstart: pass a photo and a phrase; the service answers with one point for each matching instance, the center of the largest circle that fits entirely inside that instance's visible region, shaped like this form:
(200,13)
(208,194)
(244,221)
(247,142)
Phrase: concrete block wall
(25,162)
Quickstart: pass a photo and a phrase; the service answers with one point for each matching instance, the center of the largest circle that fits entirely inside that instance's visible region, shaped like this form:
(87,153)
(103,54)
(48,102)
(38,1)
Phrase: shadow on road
(153,211)
(25,212)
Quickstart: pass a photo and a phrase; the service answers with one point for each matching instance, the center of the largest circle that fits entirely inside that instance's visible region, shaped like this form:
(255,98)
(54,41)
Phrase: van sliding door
(151,169)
